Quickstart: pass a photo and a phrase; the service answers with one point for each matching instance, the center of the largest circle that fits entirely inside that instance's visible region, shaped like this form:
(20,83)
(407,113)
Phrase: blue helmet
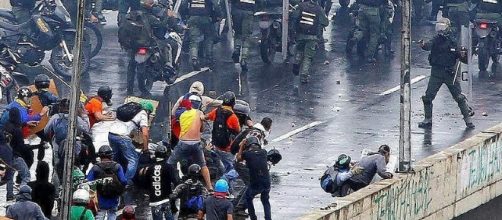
(221,186)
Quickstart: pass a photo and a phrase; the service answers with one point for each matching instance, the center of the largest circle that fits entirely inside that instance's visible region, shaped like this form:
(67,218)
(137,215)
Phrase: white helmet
(197,87)
(81,196)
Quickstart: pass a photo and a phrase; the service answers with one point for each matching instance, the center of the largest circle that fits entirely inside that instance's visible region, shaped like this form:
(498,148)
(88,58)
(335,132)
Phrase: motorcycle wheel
(267,51)
(145,84)
(95,38)
(483,57)
(63,66)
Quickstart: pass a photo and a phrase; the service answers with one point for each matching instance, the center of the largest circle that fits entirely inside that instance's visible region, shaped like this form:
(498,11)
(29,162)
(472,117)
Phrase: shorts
(185,151)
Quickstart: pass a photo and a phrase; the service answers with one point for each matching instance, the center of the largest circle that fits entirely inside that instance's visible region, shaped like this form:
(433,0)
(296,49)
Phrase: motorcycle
(270,23)
(488,45)
(10,80)
(49,28)
(150,68)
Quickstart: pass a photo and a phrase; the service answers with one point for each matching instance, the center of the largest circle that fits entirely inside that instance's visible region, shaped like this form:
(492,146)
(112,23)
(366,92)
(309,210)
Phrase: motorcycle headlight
(276,24)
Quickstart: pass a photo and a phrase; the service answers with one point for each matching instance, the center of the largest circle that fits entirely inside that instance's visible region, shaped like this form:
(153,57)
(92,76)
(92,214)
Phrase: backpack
(60,129)
(111,189)
(328,180)
(134,32)
(126,112)
(220,133)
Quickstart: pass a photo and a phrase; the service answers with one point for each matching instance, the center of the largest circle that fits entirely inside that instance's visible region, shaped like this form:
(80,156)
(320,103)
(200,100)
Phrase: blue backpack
(60,129)
(328,180)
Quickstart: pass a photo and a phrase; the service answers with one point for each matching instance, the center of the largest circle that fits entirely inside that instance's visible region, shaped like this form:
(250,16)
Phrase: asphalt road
(347,106)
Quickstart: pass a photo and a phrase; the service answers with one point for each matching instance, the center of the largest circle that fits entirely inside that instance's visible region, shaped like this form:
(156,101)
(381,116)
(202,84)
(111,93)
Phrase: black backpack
(328,180)
(111,189)
(134,31)
(221,134)
(309,22)
(126,112)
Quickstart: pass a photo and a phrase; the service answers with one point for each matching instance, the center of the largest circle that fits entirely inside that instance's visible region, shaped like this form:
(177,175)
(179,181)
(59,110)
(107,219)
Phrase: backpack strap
(83,214)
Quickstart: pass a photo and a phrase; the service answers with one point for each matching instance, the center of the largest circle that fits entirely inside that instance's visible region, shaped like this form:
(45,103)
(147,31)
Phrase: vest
(199,8)
(309,21)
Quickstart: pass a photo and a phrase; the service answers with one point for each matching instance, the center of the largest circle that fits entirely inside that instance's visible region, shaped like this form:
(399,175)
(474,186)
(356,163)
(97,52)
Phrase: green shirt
(76,213)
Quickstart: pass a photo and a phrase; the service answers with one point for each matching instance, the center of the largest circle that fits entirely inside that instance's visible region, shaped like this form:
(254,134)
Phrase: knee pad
(460,98)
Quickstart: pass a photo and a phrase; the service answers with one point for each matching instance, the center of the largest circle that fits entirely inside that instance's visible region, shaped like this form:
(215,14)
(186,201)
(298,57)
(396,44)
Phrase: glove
(356,170)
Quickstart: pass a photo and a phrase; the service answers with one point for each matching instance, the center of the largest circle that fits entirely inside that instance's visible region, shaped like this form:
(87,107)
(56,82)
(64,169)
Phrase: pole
(285,21)
(74,103)
(405,104)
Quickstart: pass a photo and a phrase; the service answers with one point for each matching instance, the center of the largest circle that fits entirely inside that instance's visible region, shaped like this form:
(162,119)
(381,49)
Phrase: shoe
(242,213)
(425,124)
(235,56)
(471,112)
(470,125)
(195,64)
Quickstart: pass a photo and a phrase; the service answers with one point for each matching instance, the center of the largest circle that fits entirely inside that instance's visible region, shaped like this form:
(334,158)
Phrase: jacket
(373,164)
(25,209)
(107,203)
(23,111)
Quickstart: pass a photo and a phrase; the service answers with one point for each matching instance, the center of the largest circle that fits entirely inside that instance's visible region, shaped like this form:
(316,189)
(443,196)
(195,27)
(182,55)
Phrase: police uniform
(370,22)
(125,5)
(201,17)
(242,22)
(307,19)
(443,59)
(458,13)
(22,9)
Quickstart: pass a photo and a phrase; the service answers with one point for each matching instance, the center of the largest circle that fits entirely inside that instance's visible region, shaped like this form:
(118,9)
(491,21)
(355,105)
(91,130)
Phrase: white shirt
(140,120)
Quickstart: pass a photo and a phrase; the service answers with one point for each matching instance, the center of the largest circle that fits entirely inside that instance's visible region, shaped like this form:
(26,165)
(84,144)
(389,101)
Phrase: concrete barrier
(4,4)
(443,186)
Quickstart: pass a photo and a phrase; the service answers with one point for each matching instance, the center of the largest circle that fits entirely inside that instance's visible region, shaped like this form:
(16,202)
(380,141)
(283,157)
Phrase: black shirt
(217,208)
(161,177)
(256,161)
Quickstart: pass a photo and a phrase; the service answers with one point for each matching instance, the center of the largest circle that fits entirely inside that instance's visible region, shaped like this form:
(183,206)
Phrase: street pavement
(346,107)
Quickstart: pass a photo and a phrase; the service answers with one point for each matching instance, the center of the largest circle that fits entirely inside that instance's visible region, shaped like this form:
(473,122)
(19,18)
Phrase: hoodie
(43,192)
(24,208)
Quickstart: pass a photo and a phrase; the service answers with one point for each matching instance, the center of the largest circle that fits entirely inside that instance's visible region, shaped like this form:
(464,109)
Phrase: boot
(426,123)
(195,64)
(468,123)
(244,66)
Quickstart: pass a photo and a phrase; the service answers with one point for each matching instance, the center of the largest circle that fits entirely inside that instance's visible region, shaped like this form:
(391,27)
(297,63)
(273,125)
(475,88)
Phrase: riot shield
(230,33)
(465,73)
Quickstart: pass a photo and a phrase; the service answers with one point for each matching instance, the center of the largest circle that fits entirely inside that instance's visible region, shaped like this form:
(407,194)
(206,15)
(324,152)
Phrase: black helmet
(42,81)
(64,106)
(384,149)
(105,151)
(160,152)
(274,156)
(105,92)
(252,140)
(23,93)
(229,98)
(343,161)
(194,170)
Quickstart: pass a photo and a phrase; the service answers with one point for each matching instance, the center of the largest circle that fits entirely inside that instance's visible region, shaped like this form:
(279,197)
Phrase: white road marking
(190,75)
(395,89)
(298,130)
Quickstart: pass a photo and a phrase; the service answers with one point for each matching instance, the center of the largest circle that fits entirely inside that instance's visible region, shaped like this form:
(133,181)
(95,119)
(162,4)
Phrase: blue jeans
(111,214)
(264,197)
(227,159)
(123,149)
(161,212)
(23,171)
(191,153)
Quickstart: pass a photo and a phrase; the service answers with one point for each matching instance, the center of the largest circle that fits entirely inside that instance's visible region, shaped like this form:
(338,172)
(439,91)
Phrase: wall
(443,186)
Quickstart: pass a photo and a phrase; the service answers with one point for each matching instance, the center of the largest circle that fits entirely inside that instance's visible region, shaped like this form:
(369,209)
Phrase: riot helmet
(42,81)
(105,151)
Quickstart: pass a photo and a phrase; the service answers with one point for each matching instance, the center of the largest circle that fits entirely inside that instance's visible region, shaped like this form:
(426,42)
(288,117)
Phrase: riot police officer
(306,19)
(370,23)
(242,20)
(202,14)
(444,58)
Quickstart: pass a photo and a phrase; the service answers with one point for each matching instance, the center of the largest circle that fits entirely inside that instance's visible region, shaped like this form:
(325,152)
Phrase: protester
(24,208)
(16,164)
(43,193)
(335,177)
(371,165)
(95,107)
(217,207)
(79,209)
(14,129)
(108,193)
(259,183)
(191,193)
